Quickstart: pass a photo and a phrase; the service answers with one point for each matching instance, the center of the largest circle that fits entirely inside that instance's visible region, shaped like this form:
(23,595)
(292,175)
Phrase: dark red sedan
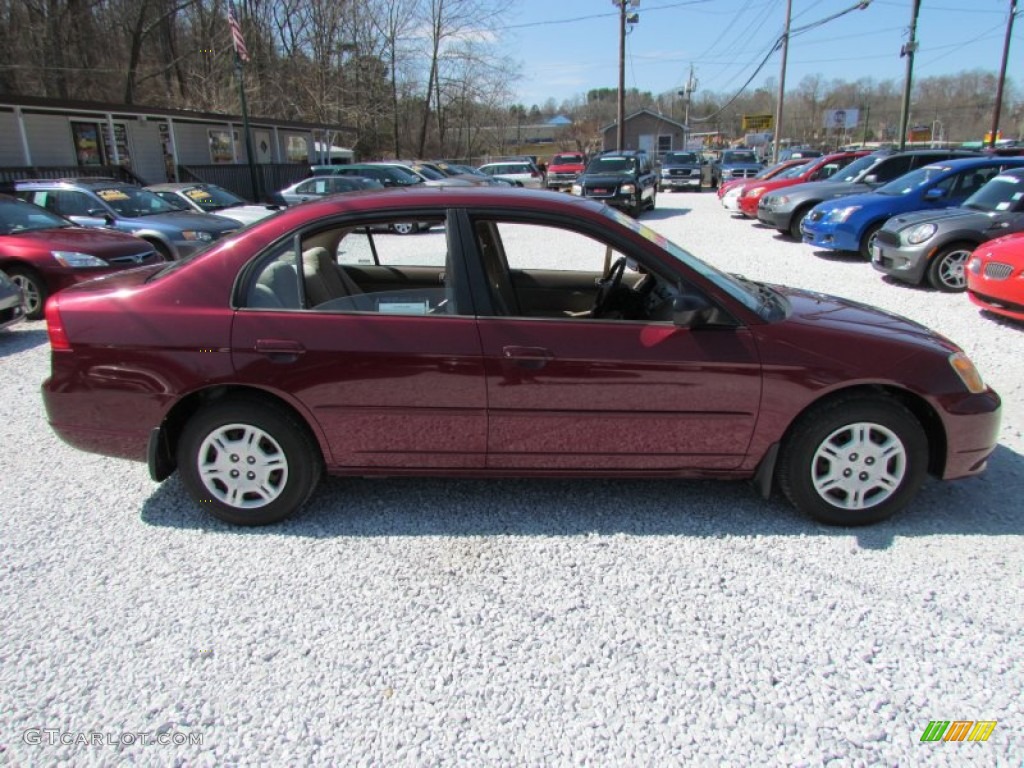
(43,253)
(526,334)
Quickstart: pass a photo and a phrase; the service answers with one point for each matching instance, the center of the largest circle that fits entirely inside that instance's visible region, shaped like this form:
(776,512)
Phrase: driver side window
(544,271)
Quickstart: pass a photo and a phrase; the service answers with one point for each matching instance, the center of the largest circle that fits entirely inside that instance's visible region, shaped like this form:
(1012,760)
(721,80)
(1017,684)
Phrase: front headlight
(920,233)
(755,192)
(967,372)
(839,215)
(974,266)
(665,173)
(781,200)
(195,234)
(76,260)
(576,189)
(627,189)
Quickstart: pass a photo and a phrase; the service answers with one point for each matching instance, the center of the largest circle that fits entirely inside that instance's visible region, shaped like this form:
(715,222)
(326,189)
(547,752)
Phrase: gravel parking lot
(473,623)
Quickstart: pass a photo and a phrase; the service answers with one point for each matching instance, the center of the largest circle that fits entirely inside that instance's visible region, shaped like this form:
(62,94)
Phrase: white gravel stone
(478,623)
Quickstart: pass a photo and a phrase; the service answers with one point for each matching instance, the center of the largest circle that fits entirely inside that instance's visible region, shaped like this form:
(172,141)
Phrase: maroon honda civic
(525,334)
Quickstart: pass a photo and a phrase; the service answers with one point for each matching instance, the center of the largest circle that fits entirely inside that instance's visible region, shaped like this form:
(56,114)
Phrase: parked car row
(919,217)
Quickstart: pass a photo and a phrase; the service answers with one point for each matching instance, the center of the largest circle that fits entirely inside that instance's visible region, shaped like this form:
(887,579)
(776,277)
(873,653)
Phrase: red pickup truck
(564,169)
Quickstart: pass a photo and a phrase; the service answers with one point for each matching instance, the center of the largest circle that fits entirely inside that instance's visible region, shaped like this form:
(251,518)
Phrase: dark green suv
(625,180)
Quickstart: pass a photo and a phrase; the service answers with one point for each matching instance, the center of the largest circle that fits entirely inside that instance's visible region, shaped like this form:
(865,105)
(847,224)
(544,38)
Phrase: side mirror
(691,310)
(934,194)
(871,179)
(96,213)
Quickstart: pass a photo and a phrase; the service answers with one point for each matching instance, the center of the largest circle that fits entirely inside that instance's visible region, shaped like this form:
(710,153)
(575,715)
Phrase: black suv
(625,180)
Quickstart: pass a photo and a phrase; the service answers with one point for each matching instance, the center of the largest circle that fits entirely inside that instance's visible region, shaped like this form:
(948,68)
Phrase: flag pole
(250,154)
(238,43)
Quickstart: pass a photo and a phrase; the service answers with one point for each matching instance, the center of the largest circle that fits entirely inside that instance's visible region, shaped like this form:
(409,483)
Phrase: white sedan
(520,172)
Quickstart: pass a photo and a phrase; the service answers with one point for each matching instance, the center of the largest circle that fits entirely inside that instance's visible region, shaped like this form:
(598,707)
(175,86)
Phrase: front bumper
(971,423)
(560,180)
(825,234)
(731,201)
(680,182)
(776,217)
(905,263)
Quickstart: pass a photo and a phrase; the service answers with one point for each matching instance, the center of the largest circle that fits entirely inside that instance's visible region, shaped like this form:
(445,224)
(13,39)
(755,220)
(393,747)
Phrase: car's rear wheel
(868,239)
(33,288)
(854,460)
(948,270)
(248,461)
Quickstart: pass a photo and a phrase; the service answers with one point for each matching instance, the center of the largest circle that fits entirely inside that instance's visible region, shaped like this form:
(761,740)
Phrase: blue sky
(726,39)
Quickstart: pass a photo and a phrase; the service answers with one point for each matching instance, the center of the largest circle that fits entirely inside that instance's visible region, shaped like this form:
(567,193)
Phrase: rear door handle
(281,350)
(527,357)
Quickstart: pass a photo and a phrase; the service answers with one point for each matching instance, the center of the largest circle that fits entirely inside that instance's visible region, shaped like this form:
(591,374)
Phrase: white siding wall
(147,152)
(11,152)
(49,140)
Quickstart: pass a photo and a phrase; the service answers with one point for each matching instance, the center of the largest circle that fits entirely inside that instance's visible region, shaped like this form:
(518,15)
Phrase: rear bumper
(12,310)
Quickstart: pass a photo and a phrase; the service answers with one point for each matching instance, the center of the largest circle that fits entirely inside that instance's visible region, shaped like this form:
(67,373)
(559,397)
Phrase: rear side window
(893,168)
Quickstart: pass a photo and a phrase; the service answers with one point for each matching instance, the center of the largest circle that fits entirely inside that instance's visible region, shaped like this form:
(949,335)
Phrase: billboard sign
(841,119)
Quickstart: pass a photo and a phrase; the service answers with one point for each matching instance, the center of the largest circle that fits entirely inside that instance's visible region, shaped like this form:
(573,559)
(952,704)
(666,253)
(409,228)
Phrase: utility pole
(782,84)
(908,50)
(1002,76)
(687,92)
(620,109)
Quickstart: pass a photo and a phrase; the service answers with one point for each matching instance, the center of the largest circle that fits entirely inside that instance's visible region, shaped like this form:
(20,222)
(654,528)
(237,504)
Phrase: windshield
(854,169)
(17,216)
(908,182)
(211,198)
(738,157)
(133,201)
(744,291)
(428,172)
(611,164)
(567,160)
(1003,193)
(796,170)
(681,157)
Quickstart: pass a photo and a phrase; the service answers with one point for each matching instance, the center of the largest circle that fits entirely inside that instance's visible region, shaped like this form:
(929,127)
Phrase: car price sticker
(111,194)
(199,195)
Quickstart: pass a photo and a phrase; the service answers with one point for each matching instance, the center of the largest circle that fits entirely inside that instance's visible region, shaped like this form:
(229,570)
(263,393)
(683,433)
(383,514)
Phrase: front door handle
(527,357)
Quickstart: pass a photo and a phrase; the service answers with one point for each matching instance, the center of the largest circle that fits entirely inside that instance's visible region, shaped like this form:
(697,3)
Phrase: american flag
(236,33)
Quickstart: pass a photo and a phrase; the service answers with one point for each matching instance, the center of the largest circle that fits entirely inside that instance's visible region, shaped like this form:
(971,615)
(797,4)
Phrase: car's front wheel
(248,461)
(948,270)
(32,288)
(854,460)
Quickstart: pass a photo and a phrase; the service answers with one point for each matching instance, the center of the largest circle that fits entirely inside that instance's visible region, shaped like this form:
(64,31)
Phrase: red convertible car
(526,334)
(995,276)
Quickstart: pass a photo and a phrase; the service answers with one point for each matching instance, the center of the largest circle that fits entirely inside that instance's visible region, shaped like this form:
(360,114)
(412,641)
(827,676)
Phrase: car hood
(961,218)
(248,214)
(817,309)
(207,222)
(823,190)
(568,168)
(106,244)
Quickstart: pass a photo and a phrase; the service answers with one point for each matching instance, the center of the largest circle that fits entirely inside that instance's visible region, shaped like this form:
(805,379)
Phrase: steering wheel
(606,286)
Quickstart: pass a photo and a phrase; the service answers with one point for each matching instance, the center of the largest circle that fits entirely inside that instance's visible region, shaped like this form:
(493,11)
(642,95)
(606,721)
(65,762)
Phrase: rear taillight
(59,341)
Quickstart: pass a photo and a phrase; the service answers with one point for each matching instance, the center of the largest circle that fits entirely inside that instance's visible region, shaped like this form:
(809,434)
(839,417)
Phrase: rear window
(567,160)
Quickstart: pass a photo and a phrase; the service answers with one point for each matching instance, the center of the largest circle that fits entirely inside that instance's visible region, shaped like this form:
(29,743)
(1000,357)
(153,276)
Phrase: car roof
(85,181)
(960,163)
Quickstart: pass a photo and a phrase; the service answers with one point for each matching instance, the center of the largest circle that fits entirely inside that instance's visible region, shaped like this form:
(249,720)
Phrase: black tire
(865,241)
(948,269)
(161,248)
(797,220)
(34,289)
(282,440)
(868,420)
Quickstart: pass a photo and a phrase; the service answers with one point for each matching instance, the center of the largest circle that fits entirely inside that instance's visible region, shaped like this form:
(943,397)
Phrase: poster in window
(221,150)
(124,155)
(86,138)
(298,149)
